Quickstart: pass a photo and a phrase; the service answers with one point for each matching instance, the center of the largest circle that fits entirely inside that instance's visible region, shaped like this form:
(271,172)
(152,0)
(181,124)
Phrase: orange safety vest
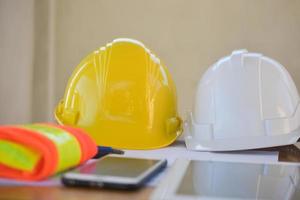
(37,151)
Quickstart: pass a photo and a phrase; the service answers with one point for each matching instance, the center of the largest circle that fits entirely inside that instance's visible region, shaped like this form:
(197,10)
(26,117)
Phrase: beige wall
(188,35)
(16,60)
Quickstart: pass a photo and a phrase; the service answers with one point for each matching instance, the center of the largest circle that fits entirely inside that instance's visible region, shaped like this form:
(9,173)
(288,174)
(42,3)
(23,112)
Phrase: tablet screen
(117,166)
(240,181)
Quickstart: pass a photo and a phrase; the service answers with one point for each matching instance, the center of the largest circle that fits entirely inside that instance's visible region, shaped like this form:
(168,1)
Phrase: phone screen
(117,166)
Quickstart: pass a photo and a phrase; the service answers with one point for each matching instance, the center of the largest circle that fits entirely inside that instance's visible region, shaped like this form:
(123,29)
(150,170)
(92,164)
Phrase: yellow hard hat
(123,96)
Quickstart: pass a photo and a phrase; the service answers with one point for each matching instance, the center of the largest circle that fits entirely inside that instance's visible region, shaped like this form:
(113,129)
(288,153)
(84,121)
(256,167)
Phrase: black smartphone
(114,172)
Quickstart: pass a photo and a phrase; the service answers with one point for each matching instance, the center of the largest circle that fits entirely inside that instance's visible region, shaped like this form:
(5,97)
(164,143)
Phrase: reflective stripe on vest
(68,148)
(17,156)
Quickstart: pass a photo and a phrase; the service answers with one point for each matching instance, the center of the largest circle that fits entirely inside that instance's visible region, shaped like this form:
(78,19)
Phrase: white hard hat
(244,101)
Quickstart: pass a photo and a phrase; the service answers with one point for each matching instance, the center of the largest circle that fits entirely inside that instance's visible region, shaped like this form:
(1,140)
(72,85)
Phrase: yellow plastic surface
(69,150)
(17,156)
(123,96)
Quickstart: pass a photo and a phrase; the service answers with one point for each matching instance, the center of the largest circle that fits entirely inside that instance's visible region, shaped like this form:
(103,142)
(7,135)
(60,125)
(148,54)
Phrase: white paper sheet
(55,181)
(178,150)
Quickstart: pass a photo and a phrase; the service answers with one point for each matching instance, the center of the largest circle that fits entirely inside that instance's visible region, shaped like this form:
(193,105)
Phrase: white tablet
(189,180)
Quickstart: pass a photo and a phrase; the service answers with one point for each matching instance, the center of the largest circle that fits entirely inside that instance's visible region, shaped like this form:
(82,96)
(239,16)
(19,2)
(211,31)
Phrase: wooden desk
(64,193)
(286,153)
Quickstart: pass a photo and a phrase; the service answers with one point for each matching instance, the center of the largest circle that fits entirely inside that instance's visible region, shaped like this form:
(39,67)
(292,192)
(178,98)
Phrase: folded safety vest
(37,151)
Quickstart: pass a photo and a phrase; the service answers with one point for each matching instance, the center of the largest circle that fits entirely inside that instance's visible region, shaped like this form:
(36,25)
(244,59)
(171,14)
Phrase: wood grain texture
(63,193)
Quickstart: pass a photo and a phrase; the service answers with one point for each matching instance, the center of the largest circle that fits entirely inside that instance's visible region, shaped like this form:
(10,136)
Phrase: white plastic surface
(244,101)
